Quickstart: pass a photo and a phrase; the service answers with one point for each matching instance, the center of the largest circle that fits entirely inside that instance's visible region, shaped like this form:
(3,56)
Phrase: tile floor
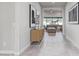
(52,46)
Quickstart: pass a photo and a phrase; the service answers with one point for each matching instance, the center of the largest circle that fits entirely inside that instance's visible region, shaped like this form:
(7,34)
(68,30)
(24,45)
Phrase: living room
(52,20)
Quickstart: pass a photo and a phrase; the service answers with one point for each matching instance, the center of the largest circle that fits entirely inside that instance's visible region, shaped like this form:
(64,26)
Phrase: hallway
(22,23)
(52,46)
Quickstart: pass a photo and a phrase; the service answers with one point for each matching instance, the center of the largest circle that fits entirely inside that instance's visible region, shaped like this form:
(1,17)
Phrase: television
(74,13)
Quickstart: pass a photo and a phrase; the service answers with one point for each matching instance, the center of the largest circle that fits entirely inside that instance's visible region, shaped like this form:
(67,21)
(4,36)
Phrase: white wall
(14,26)
(7,27)
(71,30)
(22,33)
(22,36)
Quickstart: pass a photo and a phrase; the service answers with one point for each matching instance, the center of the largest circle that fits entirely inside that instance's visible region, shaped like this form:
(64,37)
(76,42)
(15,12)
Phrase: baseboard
(11,52)
(6,52)
(22,50)
(72,41)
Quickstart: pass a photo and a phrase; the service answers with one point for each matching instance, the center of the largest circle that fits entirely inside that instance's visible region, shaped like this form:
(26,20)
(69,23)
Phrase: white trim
(22,50)
(68,38)
(6,52)
(14,53)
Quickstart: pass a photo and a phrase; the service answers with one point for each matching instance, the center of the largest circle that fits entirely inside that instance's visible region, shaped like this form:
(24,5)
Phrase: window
(52,20)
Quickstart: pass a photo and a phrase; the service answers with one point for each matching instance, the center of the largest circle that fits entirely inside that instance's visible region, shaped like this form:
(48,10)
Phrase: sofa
(51,28)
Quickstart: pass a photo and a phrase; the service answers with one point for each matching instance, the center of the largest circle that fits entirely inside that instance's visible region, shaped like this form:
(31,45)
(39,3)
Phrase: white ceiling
(52,10)
(52,4)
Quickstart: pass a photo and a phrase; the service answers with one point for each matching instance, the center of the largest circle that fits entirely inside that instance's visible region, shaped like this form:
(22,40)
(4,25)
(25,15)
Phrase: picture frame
(73,14)
(32,16)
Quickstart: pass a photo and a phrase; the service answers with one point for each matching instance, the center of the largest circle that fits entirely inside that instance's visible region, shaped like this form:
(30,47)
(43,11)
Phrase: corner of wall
(69,39)
(21,51)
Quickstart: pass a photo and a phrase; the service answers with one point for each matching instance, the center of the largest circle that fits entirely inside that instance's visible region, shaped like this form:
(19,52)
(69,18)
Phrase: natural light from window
(52,20)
